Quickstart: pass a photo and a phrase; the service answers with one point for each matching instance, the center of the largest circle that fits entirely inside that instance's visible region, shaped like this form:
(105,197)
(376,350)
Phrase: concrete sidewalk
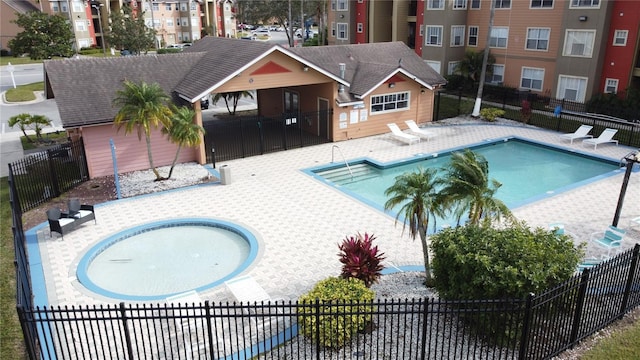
(10,151)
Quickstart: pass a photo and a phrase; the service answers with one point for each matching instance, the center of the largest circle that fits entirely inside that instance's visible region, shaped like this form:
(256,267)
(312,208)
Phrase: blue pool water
(528,171)
(157,260)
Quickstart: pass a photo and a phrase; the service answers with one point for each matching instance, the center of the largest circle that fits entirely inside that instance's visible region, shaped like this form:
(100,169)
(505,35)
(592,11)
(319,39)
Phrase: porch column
(201,157)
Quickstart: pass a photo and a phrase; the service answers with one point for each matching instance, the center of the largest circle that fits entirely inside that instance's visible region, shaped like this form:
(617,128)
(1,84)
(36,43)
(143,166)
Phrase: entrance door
(323,117)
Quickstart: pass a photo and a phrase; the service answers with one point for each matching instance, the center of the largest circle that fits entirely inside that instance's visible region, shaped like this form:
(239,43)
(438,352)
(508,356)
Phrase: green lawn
(11,343)
(24,92)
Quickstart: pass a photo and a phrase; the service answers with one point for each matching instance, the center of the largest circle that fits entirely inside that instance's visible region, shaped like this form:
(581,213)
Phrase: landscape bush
(337,300)
(480,262)
(490,114)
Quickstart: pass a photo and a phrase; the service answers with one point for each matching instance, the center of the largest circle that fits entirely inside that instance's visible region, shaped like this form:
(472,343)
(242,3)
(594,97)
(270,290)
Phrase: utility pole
(290,26)
(485,59)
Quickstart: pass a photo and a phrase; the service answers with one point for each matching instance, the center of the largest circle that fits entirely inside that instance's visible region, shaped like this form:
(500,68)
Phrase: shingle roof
(367,65)
(84,88)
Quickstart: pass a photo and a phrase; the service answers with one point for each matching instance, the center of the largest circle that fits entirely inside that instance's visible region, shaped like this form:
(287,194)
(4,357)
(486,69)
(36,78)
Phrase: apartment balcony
(636,71)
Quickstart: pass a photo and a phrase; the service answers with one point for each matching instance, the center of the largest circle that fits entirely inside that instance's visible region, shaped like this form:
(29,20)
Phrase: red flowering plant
(360,259)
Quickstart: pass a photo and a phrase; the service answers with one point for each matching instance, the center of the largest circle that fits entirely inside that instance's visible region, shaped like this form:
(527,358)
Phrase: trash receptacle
(225,175)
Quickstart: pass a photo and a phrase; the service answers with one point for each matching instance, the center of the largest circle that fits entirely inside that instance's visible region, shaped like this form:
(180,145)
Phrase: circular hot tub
(160,259)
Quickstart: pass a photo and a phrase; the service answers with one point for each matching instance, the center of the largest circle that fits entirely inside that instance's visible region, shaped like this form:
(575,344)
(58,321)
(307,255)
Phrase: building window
(421,30)
(457,35)
(579,43)
(155,6)
(585,3)
(343,5)
(620,38)
(572,88)
(360,28)
(333,5)
(497,74)
(77,6)
(503,4)
(435,65)
(537,4)
(64,7)
(453,67)
(85,43)
(538,39)
(177,7)
(342,31)
(499,37)
(169,22)
(459,4)
(532,78)
(167,6)
(184,21)
(390,102)
(611,86)
(434,36)
(81,25)
(435,4)
(55,7)
(157,23)
(333,29)
(473,36)
(193,5)
(475,4)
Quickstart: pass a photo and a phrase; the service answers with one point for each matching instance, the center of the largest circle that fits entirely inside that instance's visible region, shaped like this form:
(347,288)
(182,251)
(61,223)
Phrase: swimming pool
(529,171)
(160,259)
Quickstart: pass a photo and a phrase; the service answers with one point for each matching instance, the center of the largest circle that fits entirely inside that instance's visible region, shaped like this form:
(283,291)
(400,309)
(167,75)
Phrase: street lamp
(631,159)
(97,6)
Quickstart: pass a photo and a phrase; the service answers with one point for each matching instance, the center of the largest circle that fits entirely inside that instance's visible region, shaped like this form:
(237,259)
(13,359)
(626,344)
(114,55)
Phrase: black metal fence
(45,175)
(233,137)
(559,115)
(537,327)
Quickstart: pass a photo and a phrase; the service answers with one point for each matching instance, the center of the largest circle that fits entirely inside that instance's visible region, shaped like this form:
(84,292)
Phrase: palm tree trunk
(175,159)
(153,168)
(483,73)
(425,254)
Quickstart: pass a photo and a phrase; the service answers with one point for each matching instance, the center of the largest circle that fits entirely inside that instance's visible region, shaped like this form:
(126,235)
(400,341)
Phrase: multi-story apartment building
(567,49)
(174,21)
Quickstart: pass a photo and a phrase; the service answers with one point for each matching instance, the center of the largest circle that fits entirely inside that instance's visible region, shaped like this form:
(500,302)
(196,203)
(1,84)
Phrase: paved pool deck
(299,221)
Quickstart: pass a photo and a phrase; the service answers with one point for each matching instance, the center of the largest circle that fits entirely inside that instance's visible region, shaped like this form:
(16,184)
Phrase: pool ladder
(333,148)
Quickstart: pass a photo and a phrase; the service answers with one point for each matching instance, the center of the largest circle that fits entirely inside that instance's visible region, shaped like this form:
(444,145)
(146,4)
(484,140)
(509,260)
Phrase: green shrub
(474,262)
(169,51)
(338,299)
(360,259)
(490,114)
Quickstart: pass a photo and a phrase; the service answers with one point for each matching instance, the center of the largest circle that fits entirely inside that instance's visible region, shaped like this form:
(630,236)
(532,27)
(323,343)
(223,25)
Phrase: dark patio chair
(59,223)
(81,213)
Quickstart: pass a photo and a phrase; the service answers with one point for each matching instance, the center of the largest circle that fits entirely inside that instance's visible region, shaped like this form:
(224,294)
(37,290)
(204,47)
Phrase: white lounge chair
(397,134)
(414,129)
(581,133)
(605,137)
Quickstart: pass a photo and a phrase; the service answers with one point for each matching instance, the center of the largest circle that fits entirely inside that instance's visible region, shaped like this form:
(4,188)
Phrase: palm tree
(143,107)
(470,67)
(183,131)
(417,194)
(468,189)
(39,121)
(23,121)
(232,97)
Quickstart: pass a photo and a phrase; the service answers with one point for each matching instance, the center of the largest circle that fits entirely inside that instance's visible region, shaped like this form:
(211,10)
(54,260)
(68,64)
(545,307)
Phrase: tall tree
(233,98)
(44,36)
(468,189)
(129,31)
(143,107)
(183,131)
(416,194)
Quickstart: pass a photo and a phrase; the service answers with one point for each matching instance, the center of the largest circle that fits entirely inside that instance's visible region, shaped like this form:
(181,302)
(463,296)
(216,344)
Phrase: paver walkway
(300,221)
